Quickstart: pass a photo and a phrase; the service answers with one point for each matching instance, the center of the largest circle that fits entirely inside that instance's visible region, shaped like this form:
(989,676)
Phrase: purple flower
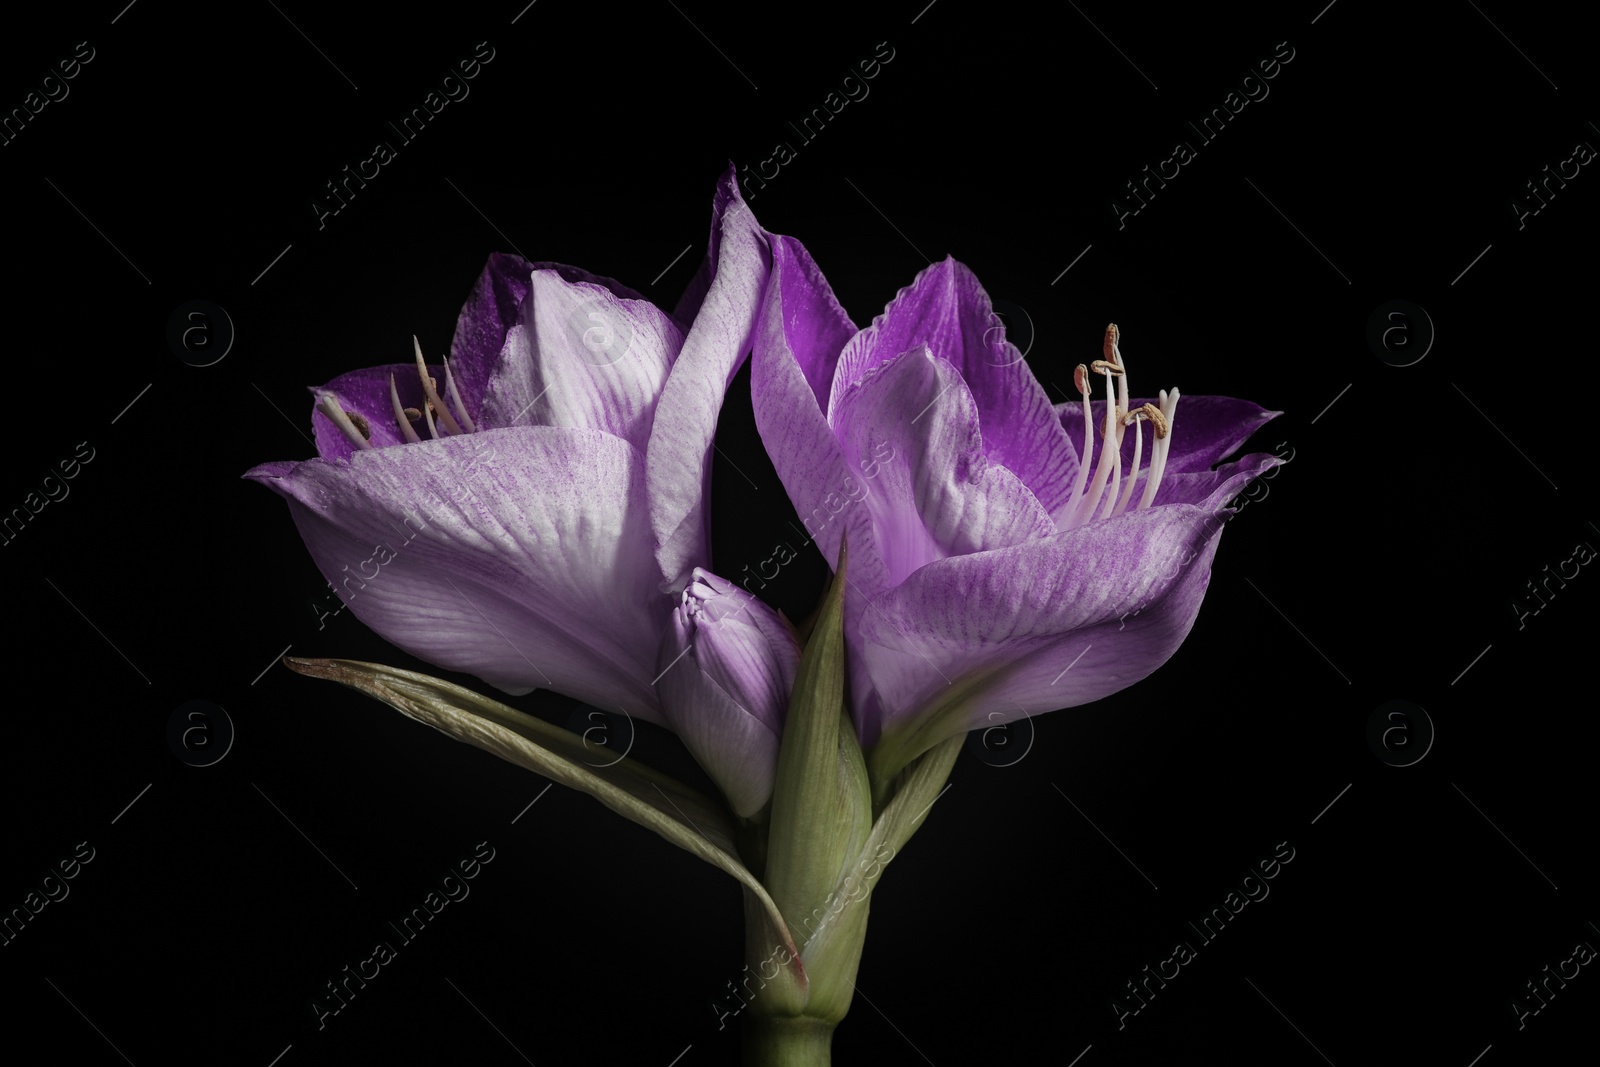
(728,665)
(496,515)
(1003,560)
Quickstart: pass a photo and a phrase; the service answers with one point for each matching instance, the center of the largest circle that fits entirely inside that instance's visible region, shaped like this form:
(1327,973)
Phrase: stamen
(1135,417)
(1105,495)
(329,406)
(1080,378)
(1114,427)
(1116,478)
(1103,470)
(450,381)
(1158,462)
(401,413)
(430,388)
(427,413)
(1122,379)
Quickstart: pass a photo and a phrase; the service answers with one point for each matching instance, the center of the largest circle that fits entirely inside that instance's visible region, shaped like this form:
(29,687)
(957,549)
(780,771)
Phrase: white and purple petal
(519,555)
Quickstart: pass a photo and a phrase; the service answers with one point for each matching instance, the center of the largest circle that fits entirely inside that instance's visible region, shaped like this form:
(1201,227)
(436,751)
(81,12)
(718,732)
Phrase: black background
(1381,565)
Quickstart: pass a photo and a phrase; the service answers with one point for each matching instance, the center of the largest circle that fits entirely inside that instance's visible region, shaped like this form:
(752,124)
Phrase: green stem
(786,1041)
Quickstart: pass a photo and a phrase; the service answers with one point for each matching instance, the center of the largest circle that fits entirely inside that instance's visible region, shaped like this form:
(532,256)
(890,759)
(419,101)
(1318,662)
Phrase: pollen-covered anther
(362,437)
(1080,379)
(1101,366)
(1110,346)
(1151,414)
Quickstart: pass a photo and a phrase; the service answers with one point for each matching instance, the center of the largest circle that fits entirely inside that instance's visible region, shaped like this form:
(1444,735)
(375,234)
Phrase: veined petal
(490,310)
(824,487)
(519,555)
(582,357)
(1019,616)
(678,459)
(946,309)
(694,294)
(815,327)
(936,494)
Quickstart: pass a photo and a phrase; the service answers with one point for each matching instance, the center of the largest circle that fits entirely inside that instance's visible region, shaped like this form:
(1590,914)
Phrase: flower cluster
(1008,555)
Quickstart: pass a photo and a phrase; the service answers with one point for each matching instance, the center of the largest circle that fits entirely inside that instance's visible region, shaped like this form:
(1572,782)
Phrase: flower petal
(581,356)
(814,324)
(946,309)
(1021,615)
(1214,489)
(678,459)
(797,327)
(935,493)
(1206,429)
(728,665)
(519,555)
(490,310)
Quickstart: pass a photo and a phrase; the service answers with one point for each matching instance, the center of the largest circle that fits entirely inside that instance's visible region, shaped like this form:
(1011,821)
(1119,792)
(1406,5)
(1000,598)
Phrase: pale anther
(431,388)
(330,407)
(403,417)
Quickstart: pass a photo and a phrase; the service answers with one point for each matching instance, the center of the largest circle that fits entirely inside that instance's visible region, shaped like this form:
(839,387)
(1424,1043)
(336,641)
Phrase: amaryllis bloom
(728,664)
(491,514)
(1004,561)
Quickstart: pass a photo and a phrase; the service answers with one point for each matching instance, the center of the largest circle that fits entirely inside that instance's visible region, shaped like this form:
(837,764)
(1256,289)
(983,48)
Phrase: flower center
(1098,496)
(359,433)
